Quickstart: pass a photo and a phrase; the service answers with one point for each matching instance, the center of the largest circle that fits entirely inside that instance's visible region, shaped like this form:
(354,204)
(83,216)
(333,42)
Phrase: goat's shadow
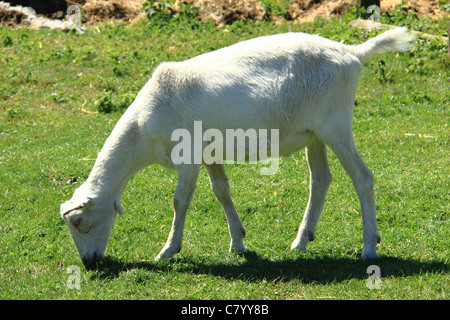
(321,269)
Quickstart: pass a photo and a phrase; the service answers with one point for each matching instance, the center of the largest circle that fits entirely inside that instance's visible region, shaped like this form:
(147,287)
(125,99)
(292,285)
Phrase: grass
(47,144)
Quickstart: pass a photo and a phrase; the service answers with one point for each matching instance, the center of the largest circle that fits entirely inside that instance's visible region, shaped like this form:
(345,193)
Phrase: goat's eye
(76,222)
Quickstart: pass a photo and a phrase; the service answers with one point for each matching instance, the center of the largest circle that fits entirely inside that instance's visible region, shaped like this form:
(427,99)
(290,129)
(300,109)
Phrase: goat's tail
(398,39)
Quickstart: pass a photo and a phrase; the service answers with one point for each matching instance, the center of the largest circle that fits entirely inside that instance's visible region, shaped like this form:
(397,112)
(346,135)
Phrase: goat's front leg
(221,188)
(187,179)
(320,178)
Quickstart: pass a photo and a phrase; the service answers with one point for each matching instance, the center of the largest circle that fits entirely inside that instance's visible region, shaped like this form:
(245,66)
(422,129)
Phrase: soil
(221,11)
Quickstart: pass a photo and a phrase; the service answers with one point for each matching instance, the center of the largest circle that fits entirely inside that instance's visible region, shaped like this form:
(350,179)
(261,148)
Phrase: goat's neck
(116,162)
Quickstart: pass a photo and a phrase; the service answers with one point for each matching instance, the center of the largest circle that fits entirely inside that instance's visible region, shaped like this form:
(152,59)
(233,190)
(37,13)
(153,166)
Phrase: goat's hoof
(369,254)
(167,253)
(370,248)
(298,245)
(240,248)
(160,257)
(301,241)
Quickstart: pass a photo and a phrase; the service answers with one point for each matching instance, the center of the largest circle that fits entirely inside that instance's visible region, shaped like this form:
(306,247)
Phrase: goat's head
(90,222)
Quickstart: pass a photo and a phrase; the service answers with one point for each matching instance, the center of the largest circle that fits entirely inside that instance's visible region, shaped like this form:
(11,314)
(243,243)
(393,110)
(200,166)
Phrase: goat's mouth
(91,261)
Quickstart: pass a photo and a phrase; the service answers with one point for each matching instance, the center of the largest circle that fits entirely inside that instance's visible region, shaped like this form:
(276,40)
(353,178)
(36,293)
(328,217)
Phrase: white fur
(303,85)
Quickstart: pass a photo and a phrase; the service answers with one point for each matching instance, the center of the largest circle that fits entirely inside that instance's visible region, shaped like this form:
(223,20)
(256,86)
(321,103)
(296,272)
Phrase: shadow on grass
(255,268)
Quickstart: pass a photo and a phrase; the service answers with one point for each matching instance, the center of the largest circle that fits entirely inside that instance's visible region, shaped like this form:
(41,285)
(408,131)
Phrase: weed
(161,13)
(106,103)
(276,8)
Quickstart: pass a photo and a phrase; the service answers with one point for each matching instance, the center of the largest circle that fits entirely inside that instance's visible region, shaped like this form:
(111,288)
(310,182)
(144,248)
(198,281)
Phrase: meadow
(61,94)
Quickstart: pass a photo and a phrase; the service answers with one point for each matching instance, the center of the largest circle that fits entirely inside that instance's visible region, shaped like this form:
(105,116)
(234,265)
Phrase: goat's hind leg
(341,141)
(221,188)
(320,178)
(187,179)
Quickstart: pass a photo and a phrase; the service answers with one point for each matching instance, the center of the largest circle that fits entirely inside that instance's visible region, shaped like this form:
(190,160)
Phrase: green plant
(276,8)
(8,41)
(15,112)
(58,97)
(383,74)
(108,103)
(163,13)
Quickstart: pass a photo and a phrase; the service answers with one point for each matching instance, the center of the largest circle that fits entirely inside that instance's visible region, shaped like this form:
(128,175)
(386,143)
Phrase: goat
(299,84)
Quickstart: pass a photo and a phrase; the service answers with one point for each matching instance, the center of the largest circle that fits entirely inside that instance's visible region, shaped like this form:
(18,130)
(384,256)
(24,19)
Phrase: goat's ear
(118,207)
(65,208)
(69,206)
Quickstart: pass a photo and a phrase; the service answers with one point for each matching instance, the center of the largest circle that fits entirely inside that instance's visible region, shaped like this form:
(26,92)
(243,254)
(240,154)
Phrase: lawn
(61,95)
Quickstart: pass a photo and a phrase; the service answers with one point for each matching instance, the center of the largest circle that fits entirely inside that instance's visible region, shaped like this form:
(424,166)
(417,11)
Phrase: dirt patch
(386,5)
(427,8)
(99,10)
(223,11)
(309,10)
(227,11)
(10,18)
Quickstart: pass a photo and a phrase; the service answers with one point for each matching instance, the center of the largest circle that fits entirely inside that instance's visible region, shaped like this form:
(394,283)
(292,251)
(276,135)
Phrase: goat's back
(258,83)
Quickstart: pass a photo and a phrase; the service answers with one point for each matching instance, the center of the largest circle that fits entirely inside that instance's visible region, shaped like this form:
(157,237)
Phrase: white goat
(303,85)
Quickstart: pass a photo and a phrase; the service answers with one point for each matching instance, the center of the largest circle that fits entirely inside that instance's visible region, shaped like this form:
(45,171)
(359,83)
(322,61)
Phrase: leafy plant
(276,8)
(106,103)
(162,13)
(15,112)
(382,73)
(8,41)
(58,97)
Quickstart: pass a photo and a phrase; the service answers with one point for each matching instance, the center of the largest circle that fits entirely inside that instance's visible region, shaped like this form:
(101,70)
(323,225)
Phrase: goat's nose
(91,261)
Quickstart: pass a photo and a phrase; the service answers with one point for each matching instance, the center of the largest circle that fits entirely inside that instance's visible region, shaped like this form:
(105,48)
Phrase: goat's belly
(295,142)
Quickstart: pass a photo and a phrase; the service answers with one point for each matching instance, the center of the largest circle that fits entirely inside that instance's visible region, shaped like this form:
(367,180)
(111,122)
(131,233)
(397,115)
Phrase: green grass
(47,143)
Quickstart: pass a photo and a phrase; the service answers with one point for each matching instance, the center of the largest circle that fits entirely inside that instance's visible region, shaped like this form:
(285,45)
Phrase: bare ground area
(221,11)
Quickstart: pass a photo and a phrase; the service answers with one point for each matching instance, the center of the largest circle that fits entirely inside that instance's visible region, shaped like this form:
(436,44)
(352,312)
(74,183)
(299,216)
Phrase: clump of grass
(107,102)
